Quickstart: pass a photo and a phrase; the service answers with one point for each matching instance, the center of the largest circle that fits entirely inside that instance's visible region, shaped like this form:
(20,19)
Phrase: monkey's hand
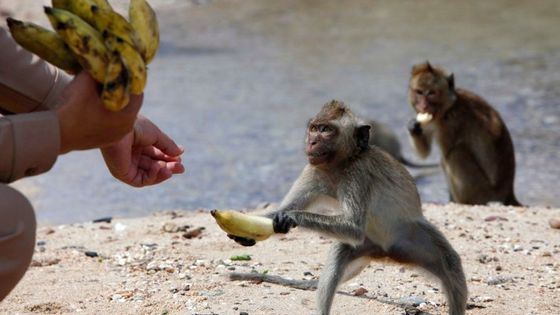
(242,240)
(414,127)
(282,222)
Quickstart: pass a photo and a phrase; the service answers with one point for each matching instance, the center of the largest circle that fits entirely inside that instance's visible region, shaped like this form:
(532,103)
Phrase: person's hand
(145,156)
(85,123)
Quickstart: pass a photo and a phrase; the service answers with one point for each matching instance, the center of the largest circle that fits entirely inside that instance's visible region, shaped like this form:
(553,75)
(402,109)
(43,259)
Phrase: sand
(177,262)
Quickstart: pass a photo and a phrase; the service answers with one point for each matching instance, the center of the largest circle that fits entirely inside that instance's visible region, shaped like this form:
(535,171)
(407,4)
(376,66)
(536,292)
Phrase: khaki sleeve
(27,83)
(29,144)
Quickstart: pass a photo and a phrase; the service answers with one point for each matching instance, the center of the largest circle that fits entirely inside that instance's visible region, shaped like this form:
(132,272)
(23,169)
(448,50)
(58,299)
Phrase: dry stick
(252,276)
(308,285)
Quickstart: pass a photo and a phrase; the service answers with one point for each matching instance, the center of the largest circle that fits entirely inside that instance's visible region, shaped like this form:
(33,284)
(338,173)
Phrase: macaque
(477,154)
(379,212)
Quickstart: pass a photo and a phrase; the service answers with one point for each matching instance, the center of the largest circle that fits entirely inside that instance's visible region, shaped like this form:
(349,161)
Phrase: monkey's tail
(409,163)
(450,271)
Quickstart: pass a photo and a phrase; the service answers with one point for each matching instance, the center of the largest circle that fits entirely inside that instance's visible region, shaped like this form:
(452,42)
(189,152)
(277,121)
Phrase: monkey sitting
(476,148)
(380,212)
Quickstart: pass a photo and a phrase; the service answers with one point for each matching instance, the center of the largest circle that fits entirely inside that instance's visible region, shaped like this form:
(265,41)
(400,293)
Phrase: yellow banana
(45,44)
(65,4)
(143,19)
(103,19)
(115,88)
(84,41)
(244,225)
(132,61)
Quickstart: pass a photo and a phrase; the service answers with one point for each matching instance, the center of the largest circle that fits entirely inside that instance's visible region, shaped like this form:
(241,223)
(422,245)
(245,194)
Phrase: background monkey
(380,212)
(476,148)
(383,137)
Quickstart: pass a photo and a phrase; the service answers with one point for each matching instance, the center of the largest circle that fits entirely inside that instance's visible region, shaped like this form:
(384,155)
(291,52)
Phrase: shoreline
(177,262)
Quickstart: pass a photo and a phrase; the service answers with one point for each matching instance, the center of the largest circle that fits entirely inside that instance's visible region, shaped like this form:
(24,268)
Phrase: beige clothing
(29,145)
(29,141)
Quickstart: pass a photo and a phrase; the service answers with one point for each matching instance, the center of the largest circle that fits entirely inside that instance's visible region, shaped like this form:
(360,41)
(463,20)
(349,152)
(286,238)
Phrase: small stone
(41,243)
(103,220)
(169,227)
(412,300)
(498,268)
(243,313)
(497,280)
(193,233)
(554,223)
(359,291)
(91,254)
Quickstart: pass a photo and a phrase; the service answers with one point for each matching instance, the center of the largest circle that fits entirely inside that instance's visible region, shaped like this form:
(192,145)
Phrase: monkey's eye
(419,92)
(325,128)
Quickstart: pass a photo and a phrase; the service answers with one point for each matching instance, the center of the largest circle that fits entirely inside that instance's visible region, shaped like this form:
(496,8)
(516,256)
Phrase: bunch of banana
(90,35)
(239,224)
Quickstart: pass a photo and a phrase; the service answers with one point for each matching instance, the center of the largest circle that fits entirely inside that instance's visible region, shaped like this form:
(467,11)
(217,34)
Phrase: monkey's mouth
(318,157)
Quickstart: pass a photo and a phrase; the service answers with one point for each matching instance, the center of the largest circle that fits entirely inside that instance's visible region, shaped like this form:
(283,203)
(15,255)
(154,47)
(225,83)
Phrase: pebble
(103,220)
(554,223)
(412,300)
(91,254)
(498,280)
(360,291)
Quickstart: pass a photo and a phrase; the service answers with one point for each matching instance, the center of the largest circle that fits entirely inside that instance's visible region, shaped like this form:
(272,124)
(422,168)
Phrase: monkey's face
(430,93)
(320,143)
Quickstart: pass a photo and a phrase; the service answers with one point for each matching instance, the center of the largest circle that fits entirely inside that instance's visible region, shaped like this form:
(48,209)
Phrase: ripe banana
(143,19)
(424,118)
(102,19)
(64,4)
(244,225)
(45,44)
(86,42)
(115,88)
(132,60)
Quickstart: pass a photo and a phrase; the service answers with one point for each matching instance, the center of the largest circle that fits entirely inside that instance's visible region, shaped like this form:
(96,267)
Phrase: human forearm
(29,144)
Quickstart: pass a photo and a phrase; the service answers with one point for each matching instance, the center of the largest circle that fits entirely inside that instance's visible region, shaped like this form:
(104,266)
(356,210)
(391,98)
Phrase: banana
(132,61)
(244,225)
(115,88)
(143,19)
(103,19)
(65,4)
(84,41)
(424,118)
(45,44)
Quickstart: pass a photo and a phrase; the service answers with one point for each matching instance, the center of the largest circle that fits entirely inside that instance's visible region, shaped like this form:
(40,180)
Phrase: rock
(412,300)
(91,254)
(193,233)
(359,291)
(41,243)
(103,220)
(498,280)
(554,223)
(169,227)
(495,218)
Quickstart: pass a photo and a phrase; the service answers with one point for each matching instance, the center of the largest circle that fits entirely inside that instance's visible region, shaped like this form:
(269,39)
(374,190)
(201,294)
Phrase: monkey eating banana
(89,35)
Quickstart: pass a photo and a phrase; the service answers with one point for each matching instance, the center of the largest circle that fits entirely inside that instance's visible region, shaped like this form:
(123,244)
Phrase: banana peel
(244,225)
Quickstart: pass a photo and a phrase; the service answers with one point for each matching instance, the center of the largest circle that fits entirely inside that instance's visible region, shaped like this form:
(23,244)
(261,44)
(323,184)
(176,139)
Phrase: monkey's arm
(421,138)
(304,190)
(342,227)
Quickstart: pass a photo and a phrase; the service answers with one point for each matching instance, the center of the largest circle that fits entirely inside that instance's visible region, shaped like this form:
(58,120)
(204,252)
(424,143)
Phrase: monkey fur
(379,212)
(476,148)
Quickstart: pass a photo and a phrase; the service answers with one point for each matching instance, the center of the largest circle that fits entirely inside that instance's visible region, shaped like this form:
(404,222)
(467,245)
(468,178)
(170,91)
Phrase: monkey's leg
(423,245)
(341,266)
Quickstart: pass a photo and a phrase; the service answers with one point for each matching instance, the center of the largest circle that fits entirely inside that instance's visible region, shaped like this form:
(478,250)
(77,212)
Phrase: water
(236,81)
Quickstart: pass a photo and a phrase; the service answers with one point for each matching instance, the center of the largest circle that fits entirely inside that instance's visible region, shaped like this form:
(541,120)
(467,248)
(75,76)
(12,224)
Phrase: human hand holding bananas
(89,35)
(247,229)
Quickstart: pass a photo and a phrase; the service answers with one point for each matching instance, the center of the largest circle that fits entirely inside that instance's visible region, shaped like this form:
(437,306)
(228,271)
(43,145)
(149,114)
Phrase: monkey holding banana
(476,148)
(380,212)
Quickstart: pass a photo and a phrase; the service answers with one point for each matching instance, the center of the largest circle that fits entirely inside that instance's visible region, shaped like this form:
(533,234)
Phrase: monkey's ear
(362,136)
(451,81)
(429,66)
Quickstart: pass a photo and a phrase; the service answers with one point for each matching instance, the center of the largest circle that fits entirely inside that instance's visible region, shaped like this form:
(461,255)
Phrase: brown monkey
(384,138)
(476,148)
(379,214)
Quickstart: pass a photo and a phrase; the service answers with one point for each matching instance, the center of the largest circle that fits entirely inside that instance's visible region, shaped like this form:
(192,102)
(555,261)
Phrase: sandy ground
(153,265)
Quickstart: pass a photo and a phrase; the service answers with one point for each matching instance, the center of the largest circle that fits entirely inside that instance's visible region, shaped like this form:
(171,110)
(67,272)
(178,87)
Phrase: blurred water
(236,81)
